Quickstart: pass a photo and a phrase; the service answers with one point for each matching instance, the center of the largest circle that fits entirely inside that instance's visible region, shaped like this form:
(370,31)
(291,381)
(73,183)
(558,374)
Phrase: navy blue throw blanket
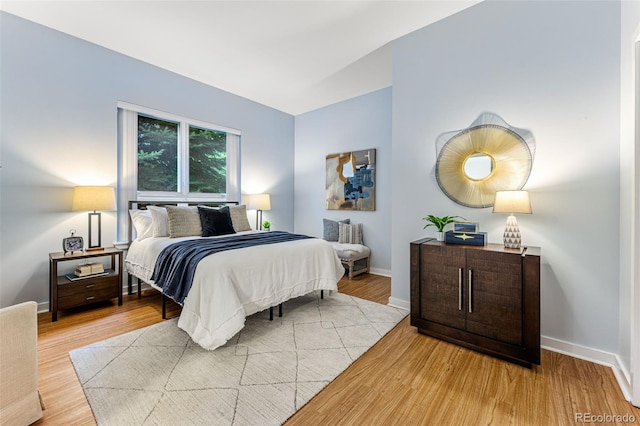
(176,264)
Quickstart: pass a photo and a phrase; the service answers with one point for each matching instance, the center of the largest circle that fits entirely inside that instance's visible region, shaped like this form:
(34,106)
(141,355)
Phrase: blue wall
(355,124)
(550,67)
(59,129)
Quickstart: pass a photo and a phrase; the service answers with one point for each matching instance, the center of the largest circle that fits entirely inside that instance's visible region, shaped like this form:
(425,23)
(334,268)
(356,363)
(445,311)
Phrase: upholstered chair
(20,402)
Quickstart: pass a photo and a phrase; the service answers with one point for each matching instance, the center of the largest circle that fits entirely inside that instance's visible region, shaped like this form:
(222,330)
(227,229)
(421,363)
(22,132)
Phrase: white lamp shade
(259,202)
(94,198)
(512,202)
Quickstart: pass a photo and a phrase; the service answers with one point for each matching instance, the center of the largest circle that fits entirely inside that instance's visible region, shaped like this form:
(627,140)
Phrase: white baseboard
(592,355)
(399,303)
(382,272)
(43,307)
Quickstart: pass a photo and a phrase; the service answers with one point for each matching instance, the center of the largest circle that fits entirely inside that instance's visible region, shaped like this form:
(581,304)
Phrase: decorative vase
(440,236)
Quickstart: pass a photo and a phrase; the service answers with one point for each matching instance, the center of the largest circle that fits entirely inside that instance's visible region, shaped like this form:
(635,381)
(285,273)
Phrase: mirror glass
(478,166)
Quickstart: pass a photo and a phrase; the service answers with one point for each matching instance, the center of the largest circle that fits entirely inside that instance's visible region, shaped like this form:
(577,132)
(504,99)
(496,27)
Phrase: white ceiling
(294,56)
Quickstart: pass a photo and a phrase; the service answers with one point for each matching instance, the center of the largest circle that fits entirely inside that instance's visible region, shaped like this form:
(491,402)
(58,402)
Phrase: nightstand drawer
(88,285)
(88,293)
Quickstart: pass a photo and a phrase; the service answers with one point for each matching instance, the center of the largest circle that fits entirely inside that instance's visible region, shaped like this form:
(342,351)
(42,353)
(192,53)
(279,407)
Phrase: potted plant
(266,225)
(440,223)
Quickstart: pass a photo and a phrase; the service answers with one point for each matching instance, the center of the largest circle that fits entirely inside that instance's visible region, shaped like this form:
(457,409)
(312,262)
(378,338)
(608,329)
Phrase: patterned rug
(263,375)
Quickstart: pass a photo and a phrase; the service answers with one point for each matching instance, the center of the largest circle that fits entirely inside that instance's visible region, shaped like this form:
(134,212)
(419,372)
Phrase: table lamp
(259,202)
(94,198)
(512,202)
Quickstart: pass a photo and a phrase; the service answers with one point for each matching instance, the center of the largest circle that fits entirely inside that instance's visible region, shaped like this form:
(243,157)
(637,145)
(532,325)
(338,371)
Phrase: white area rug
(263,375)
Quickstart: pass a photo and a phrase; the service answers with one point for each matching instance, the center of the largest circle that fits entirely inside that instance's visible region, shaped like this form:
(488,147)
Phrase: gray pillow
(184,221)
(239,218)
(331,230)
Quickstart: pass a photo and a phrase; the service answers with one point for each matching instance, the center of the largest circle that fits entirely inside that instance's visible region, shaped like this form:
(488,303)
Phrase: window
(157,155)
(158,158)
(207,161)
(171,158)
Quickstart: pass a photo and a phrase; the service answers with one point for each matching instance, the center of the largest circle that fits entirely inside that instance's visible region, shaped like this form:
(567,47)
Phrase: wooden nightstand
(65,294)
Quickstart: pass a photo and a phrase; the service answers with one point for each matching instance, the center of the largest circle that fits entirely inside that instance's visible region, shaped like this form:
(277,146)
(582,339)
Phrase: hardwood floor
(407,378)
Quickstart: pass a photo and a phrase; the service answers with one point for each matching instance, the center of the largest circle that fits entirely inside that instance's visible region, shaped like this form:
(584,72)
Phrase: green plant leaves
(440,222)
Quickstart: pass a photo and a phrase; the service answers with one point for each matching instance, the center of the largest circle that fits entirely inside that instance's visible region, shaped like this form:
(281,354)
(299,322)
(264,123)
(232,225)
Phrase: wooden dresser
(486,298)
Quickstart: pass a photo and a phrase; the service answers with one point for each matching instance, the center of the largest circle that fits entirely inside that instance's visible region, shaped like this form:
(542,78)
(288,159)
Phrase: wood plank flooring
(406,379)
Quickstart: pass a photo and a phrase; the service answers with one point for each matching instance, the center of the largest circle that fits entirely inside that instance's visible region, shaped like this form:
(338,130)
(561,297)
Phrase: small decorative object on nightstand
(72,243)
(65,292)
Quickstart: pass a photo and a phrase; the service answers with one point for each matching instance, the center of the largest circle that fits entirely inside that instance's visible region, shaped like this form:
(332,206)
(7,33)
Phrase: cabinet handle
(89,286)
(470,290)
(90,298)
(459,289)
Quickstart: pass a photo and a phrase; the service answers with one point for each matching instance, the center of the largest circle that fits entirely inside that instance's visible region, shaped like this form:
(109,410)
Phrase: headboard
(142,205)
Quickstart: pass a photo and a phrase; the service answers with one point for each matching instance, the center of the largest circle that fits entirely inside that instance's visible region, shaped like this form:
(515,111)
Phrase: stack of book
(87,270)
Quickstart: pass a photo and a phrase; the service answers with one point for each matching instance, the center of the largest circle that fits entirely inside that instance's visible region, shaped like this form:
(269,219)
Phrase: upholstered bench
(347,241)
(354,257)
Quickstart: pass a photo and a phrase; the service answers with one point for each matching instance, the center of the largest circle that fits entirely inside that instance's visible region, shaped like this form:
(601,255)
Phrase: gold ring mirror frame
(509,149)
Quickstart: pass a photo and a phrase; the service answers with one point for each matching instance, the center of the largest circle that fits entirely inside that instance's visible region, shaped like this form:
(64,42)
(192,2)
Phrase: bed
(229,284)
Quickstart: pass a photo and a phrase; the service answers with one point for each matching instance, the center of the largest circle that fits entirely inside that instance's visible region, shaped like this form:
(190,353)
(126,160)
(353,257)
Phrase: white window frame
(128,161)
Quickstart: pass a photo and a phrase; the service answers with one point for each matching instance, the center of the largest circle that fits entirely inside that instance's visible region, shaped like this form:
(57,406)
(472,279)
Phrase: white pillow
(160,220)
(142,223)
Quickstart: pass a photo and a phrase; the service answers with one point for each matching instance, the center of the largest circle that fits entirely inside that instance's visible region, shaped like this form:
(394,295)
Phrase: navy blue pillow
(215,221)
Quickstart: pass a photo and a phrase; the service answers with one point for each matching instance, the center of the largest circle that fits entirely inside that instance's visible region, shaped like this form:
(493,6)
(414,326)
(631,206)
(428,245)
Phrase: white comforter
(230,285)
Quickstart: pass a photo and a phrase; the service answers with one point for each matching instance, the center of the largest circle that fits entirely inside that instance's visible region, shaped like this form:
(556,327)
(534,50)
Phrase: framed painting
(351,180)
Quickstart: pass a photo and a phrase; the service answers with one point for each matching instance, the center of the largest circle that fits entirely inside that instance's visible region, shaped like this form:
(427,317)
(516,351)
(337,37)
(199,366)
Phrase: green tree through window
(207,161)
(159,158)
(164,156)
(157,155)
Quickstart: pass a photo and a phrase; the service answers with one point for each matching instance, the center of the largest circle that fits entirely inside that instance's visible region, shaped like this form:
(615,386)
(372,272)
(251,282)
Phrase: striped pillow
(350,233)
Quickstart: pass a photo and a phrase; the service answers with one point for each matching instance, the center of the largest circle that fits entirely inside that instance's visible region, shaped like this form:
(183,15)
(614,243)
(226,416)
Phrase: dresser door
(494,295)
(442,298)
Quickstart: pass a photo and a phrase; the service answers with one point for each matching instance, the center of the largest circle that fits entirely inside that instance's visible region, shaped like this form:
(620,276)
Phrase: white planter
(440,236)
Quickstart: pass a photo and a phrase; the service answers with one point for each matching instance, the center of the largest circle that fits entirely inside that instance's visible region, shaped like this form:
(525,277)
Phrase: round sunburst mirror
(488,156)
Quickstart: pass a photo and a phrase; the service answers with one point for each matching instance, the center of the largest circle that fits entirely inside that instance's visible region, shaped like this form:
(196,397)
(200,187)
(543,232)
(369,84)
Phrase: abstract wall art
(351,180)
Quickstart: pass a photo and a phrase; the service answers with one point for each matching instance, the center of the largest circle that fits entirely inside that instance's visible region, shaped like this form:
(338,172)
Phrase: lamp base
(512,237)
(259,220)
(94,248)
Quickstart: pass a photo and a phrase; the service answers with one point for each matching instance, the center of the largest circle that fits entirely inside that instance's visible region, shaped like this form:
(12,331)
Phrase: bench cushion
(351,251)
